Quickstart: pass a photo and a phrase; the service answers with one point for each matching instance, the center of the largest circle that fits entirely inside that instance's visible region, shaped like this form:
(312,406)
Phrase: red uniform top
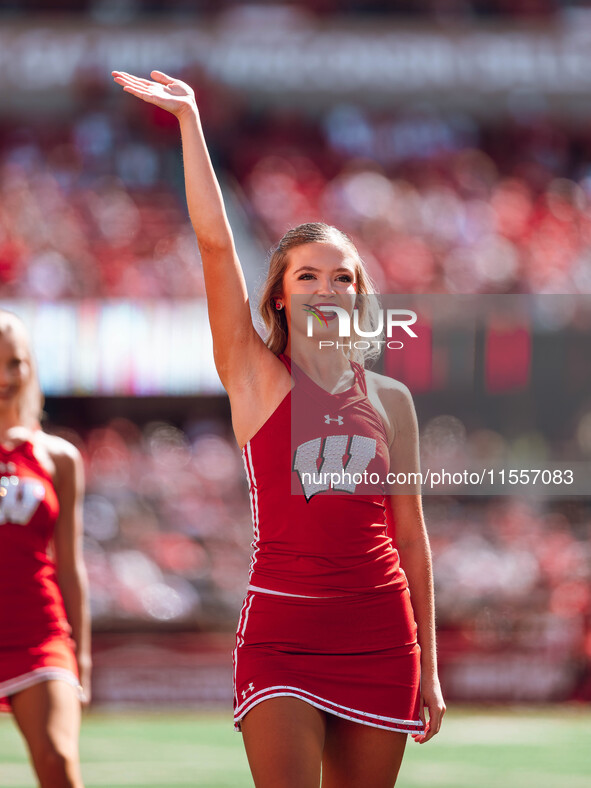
(31,605)
(319,526)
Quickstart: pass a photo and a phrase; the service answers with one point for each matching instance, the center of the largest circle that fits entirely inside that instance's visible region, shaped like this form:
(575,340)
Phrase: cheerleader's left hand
(84,670)
(432,699)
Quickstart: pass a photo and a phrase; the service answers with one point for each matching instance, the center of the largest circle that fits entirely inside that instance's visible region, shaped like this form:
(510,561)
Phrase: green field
(508,748)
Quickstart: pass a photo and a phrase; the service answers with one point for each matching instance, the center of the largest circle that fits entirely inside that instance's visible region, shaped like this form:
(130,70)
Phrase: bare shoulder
(58,448)
(61,454)
(391,391)
(393,402)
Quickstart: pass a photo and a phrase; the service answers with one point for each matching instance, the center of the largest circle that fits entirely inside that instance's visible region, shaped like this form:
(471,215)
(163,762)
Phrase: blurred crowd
(435,201)
(84,214)
(514,573)
(166,522)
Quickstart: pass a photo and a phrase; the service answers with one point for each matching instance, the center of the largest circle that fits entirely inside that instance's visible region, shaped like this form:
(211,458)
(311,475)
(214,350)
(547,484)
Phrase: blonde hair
(30,405)
(275,319)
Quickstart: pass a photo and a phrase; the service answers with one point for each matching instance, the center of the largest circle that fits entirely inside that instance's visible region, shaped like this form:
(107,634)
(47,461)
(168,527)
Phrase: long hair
(275,319)
(30,404)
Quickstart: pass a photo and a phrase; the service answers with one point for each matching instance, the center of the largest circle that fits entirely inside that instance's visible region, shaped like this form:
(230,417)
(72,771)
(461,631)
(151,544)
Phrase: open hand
(166,92)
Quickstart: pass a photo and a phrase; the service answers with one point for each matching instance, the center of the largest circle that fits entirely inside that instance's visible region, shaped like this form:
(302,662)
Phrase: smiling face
(317,275)
(316,263)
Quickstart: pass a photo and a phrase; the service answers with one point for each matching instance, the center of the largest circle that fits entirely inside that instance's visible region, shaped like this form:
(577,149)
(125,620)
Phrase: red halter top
(319,530)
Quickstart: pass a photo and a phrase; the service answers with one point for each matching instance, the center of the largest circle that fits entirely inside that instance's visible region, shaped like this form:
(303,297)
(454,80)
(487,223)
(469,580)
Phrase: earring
(278,305)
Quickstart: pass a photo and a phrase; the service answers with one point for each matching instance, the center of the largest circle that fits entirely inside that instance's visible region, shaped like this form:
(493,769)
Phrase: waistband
(250,587)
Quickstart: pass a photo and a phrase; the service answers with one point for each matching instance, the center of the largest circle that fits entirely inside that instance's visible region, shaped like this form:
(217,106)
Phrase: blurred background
(450,138)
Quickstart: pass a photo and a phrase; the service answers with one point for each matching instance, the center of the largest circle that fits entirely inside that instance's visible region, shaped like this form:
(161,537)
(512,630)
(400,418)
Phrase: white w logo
(332,472)
(19,499)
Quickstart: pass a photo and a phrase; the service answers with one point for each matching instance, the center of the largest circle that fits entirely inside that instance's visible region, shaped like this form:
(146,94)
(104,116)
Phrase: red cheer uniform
(327,617)
(35,643)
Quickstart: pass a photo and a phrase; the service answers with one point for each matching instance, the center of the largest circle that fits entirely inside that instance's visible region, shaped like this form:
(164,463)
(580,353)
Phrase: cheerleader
(333,665)
(44,619)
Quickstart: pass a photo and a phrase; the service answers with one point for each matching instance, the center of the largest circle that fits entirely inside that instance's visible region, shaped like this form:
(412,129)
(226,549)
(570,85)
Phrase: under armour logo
(327,419)
(247,690)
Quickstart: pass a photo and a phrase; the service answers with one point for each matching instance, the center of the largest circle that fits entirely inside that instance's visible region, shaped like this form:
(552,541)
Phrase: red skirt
(21,668)
(353,656)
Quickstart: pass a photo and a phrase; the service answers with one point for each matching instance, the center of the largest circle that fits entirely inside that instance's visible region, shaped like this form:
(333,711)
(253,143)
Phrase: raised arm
(237,346)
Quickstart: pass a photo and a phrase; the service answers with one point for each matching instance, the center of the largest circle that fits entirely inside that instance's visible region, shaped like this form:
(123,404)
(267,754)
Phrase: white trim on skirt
(37,676)
(363,717)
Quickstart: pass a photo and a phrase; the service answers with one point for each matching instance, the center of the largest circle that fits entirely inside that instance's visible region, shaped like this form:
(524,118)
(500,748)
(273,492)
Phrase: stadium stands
(435,203)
